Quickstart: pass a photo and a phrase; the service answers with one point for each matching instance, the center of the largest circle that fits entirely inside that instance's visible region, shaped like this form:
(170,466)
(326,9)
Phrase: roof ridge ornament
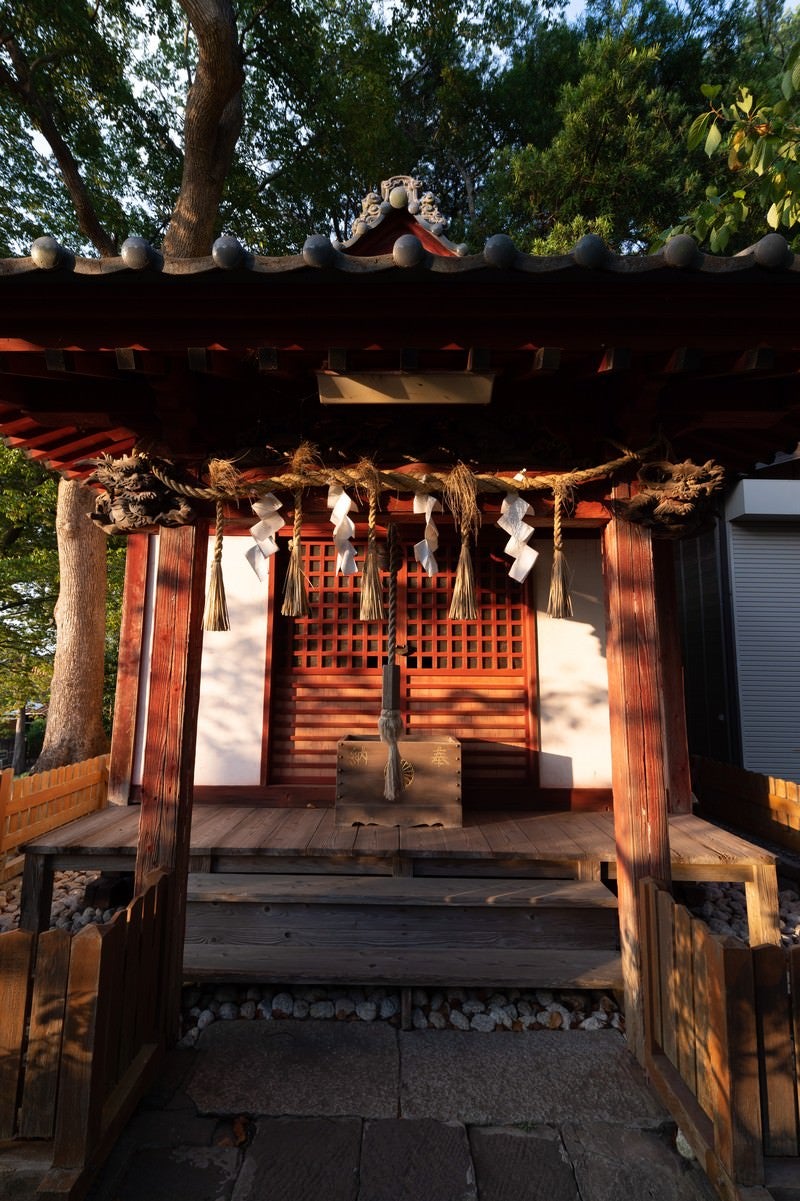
(400,192)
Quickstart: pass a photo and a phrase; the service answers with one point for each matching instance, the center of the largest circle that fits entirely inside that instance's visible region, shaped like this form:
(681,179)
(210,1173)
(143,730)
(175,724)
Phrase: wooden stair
(401,930)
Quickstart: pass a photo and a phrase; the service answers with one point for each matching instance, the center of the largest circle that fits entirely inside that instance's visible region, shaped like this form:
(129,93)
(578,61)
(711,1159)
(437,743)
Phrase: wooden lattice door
(472,680)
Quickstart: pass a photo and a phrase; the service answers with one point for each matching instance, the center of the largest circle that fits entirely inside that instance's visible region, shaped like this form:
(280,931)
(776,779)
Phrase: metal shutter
(765,582)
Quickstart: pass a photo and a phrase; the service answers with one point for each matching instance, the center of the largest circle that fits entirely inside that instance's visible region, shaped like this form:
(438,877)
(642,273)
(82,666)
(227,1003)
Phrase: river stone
(282,1005)
(321,1009)
(389,1007)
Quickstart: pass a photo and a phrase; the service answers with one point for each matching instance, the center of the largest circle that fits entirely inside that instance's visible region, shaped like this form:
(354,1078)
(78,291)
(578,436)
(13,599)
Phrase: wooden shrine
(597,398)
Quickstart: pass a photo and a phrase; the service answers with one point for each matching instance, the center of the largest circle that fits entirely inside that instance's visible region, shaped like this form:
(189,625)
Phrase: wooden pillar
(637,743)
(168,772)
(126,700)
(673,702)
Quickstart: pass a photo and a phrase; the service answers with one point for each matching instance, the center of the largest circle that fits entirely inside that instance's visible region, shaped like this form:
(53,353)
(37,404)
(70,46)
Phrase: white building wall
(232,680)
(573,674)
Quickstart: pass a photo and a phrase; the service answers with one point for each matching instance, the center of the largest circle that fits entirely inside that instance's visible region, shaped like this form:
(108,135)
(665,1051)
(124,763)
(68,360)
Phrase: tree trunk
(211,129)
(18,758)
(74,721)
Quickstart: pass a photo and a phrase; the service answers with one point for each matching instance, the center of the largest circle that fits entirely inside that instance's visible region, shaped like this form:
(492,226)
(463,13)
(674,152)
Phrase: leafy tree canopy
(617,156)
(518,119)
(752,131)
(335,96)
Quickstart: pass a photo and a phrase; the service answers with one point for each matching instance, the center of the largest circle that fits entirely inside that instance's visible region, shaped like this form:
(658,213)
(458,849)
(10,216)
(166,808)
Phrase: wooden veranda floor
(246,838)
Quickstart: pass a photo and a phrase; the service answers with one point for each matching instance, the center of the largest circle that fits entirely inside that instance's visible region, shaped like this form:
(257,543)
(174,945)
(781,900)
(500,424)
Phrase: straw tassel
(559,602)
(463,607)
(215,616)
(390,728)
(295,593)
(460,494)
(371,587)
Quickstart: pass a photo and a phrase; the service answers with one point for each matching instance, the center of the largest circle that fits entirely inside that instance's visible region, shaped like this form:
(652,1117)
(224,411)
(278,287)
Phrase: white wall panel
(230,720)
(573,675)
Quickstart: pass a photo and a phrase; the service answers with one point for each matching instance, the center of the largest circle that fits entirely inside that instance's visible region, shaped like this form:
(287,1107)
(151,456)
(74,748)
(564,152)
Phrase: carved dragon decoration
(133,498)
(675,500)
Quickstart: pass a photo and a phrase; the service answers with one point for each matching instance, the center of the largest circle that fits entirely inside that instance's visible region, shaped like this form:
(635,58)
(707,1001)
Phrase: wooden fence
(722,1045)
(82,1033)
(761,805)
(33,805)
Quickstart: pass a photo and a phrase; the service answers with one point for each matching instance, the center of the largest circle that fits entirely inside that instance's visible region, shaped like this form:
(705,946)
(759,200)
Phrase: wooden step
(239,888)
(550,933)
(540,968)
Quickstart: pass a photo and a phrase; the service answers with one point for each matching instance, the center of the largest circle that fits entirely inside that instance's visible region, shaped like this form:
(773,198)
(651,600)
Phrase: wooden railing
(755,804)
(82,1032)
(721,1048)
(34,805)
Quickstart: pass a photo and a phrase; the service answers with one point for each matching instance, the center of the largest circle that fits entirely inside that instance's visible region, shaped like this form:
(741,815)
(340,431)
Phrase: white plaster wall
(230,719)
(573,674)
(137,764)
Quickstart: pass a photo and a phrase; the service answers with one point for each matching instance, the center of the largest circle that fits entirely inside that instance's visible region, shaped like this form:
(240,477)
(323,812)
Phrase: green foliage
(616,155)
(606,161)
(340,97)
(755,138)
(69,63)
(337,96)
(34,737)
(29,585)
(28,579)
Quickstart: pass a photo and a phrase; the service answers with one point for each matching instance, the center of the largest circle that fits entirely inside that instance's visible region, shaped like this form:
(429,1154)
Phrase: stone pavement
(333,1111)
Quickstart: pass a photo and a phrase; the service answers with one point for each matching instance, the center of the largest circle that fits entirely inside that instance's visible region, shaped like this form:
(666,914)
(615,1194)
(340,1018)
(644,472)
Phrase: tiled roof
(223,351)
(680,253)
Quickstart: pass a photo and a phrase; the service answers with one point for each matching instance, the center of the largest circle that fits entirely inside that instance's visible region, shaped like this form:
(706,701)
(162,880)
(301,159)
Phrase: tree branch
(24,89)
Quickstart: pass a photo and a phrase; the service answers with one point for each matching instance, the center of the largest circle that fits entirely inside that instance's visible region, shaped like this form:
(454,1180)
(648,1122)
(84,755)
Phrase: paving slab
(401,1160)
(301,1158)
(545,1078)
(521,1165)
(150,1130)
(297,1069)
(611,1161)
(22,1168)
(161,1174)
(166,1090)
